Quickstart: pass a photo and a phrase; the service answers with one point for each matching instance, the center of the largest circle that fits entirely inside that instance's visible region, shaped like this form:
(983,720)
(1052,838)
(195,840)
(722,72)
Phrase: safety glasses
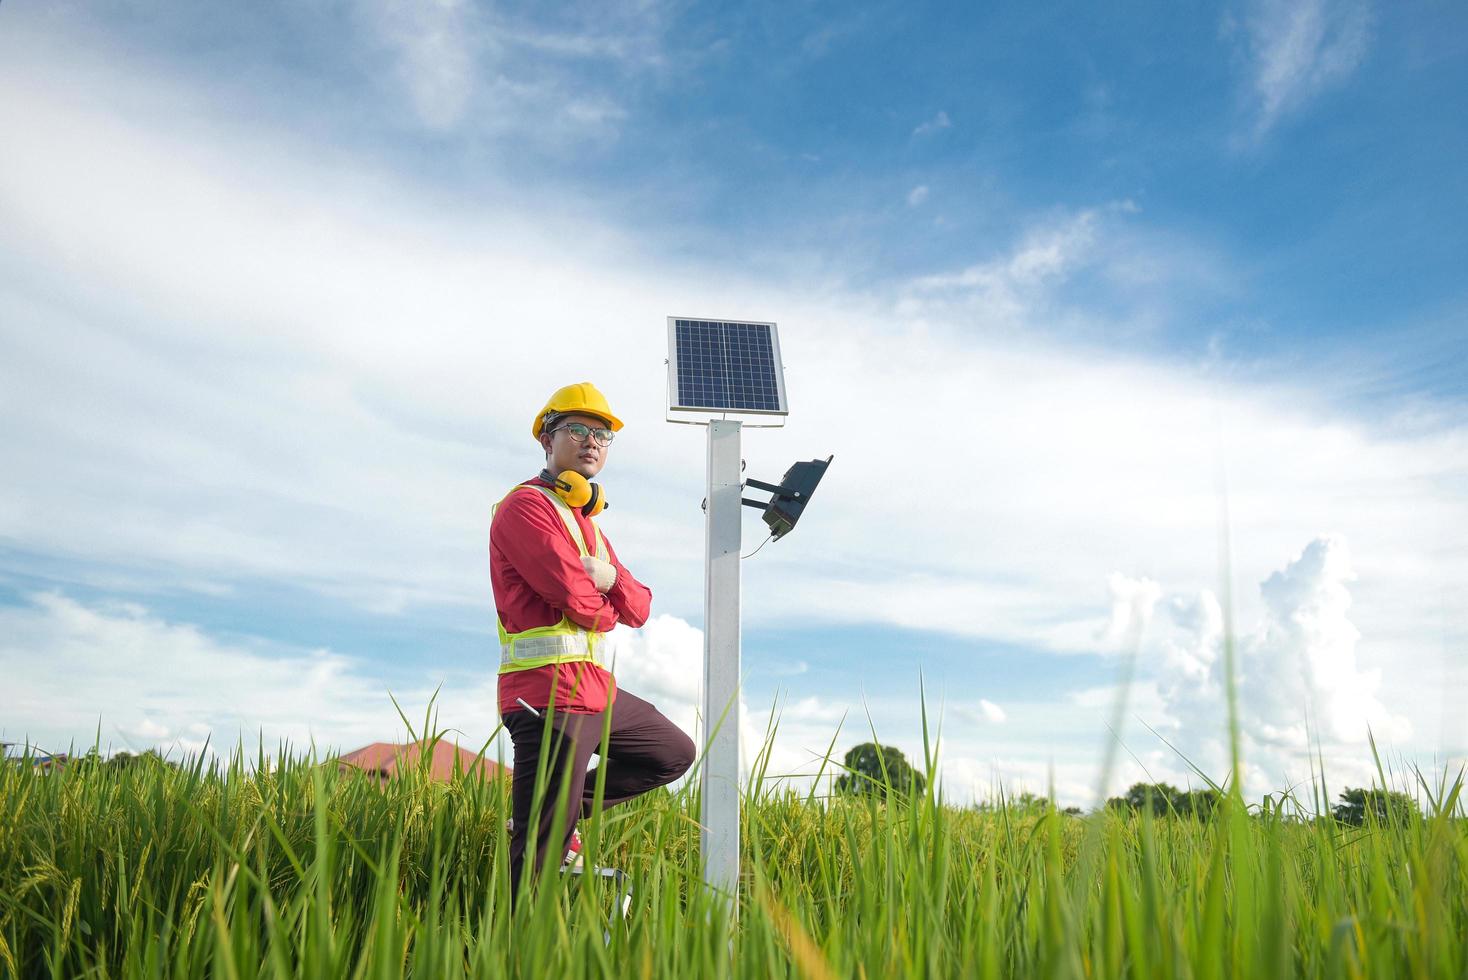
(579,431)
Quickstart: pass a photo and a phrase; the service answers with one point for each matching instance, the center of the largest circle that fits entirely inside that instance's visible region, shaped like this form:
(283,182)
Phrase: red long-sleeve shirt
(536,572)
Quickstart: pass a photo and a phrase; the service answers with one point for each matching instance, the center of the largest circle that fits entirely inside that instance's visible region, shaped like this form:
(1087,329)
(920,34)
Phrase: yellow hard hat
(581,397)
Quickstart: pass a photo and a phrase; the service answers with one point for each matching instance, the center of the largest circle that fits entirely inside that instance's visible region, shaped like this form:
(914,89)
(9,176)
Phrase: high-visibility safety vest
(561,643)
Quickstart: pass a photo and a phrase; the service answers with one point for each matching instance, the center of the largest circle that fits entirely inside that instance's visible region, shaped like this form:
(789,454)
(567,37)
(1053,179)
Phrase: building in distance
(384,760)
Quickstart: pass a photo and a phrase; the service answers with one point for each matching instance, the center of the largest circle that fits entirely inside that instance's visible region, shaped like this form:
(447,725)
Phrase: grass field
(259,868)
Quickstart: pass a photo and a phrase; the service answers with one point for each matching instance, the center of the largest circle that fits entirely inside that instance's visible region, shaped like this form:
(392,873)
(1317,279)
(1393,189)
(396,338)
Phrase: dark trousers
(644,751)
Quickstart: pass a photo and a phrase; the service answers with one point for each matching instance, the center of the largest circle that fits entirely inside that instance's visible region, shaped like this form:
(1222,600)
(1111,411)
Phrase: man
(559,588)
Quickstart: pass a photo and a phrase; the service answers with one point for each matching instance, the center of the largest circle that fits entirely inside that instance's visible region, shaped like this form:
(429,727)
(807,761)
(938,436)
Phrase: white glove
(603,574)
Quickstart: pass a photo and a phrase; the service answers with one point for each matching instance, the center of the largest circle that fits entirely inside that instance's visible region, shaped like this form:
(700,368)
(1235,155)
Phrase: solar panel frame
(756,389)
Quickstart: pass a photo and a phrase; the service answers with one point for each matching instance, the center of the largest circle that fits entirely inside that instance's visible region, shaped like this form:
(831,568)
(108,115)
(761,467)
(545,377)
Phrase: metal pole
(720,813)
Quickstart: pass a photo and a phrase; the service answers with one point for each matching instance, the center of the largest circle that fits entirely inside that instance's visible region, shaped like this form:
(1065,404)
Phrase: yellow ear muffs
(597,503)
(577,491)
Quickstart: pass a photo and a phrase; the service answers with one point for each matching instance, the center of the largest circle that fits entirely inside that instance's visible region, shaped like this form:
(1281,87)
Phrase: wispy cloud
(832,33)
(1004,287)
(929,126)
(1299,49)
(465,66)
(436,48)
(917,195)
(1091,273)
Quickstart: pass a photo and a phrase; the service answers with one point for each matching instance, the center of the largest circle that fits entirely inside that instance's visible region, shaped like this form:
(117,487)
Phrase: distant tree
(1164,798)
(1157,797)
(870,768)
(1021,802)
(1028,802)
(1384,806)
(132,760)
(1198,802)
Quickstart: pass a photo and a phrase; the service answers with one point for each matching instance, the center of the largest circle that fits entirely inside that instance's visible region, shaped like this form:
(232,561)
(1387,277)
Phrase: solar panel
(725,366)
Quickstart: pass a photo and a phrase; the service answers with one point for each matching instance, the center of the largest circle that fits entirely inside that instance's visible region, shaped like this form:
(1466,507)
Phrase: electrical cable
(761,545)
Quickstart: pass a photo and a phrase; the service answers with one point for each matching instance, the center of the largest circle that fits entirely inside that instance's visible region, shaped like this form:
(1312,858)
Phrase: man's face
(565,453)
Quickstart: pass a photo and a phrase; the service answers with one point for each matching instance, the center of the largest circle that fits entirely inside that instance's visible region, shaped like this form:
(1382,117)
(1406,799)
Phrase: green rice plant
(282,864)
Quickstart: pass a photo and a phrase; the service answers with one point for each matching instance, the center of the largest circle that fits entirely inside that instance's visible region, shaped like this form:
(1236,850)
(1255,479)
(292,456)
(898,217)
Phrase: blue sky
(281,285)
(1335,186)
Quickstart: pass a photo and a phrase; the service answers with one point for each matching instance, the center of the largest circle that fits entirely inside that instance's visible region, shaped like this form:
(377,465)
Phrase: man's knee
(679,757)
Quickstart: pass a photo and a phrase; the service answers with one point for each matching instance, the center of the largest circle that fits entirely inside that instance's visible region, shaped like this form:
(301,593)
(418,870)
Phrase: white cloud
(982,712)
(154,683)
(833,32)
(1132,601)
(662,662)
(435,44)
(151,683)
(469,67)
(229,360)
(811,709)
(917,195)
(598,112)
(1299,49)
(930,126)
(148,730)
(300,432)
(1005,289)
(1300,684)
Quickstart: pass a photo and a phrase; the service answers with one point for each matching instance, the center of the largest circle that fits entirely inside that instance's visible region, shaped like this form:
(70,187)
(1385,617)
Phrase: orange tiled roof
(384,759)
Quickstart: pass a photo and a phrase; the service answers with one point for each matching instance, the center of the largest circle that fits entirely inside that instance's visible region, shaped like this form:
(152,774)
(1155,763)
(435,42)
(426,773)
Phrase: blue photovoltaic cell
(726,366)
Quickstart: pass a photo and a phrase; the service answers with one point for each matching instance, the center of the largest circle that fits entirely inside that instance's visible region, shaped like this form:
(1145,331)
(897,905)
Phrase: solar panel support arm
(761,485)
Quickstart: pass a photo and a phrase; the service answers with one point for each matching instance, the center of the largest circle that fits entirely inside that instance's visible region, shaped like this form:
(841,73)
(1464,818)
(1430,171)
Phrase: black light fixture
(790,497)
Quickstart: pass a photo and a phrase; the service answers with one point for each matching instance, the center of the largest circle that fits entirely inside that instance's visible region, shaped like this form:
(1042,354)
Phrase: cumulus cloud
(1300,684)
(1132,601)
(663,663)
(1299,50)
(1307,606)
